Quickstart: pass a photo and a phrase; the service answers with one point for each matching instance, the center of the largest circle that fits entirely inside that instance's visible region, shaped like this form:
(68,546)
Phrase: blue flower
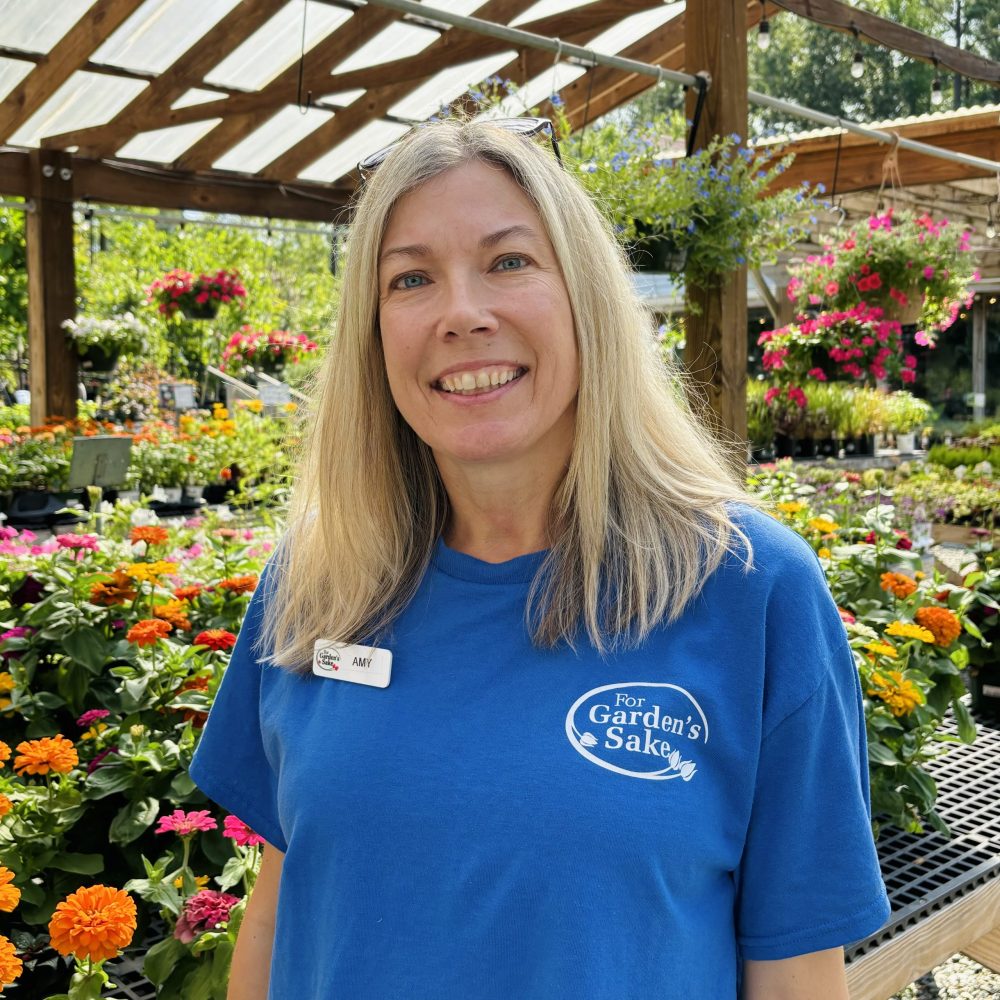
(821,188)
(556,101)
(690,226)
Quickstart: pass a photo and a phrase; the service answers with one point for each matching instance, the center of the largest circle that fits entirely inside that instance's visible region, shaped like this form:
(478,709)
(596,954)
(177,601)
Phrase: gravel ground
(957,979)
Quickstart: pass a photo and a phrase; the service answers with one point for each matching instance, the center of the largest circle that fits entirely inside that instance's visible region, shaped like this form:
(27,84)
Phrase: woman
(619,749)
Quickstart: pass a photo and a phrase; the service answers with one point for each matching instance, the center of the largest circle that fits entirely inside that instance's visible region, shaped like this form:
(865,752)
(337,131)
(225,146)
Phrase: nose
(466,307)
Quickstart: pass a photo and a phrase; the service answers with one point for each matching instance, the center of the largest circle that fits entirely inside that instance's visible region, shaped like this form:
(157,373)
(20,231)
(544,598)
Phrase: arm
(251,968)
(817,976)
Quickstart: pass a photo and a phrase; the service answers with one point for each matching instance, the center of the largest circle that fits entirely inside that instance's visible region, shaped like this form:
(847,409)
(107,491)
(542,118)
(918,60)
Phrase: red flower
(215,638)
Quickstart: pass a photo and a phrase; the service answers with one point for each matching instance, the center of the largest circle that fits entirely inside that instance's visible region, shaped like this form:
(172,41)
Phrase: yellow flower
(824,525)
(881,648)
(824,553)
(908,631)
(220,413)
(150,572)
(94,731)
(199,880)
(900,695)
(791,507)
(6,681)
(290,407)
(254,405)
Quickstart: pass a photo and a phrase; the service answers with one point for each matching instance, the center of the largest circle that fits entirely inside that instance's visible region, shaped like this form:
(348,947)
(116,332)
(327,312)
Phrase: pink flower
(817,373)
(797,396)
(71,541)
(928,272)
(204,911)
(921,338)
(234,827)
(910,361)
(185,824)
(771,394)
(846,617)
(831,288)
(91,716)
(908,375)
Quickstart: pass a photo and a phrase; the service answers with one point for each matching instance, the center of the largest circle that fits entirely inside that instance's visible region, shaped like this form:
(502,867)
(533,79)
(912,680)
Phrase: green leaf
(161,959)
(879,753)
(86,646)
(87,986)
(966,724)
(81,864)
(108,780)
(232,873)
(182,786)
(133,820)
(198,985)
(923,784)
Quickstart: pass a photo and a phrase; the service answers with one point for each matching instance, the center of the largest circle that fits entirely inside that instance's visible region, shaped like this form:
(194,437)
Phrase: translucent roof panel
(36,25)
(444,87)
(344,158)
(160,32)
(544,8)
(536,90)
(196,95)
(268,142)
(12,72)
(395,42)
(164,145)
(277,45)
(85,99)
(631,29)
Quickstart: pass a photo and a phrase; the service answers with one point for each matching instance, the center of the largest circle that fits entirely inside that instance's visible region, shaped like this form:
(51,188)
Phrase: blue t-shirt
(507,822)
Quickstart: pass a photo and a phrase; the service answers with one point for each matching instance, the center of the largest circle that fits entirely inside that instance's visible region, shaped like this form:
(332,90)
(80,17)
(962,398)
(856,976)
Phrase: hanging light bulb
(764,35)
(936,96)
(858,66)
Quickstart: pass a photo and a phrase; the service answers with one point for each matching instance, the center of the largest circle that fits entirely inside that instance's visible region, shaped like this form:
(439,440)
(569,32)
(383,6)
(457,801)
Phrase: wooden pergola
(261,107)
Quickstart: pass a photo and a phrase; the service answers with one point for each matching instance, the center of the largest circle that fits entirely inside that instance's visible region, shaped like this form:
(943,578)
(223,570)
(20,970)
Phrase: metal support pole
(979,357)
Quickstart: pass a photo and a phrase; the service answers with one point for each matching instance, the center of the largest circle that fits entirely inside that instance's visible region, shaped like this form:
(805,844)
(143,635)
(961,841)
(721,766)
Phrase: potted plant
(195,297)
(904,414)
(100,342)
(251,350)
(915,269)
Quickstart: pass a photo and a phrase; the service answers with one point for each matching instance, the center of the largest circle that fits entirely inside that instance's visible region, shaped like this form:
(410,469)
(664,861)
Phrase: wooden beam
(51,285)
(331,51)
(68,55)
(891,35)
(715,351)
(374,103)
(13,172)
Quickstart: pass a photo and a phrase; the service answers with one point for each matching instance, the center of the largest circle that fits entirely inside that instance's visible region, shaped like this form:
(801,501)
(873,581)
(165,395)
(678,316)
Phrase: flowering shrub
(181,291)
(897,261)
(266,350)
(117,333)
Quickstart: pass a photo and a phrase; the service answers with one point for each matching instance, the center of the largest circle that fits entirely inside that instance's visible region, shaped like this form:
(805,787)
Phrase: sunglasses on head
(528,127)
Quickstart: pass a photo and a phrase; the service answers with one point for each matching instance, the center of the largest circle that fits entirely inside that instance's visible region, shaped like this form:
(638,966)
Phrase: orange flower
(174,613)
(10,895)
(4,752)
(95,922)
(148,632)
(239,584)
(192,715)
(5,805)
(114,589)
(187,593)
(899,583)
(50,753)
(10,964)
(151,534)
(215,638)
(944,624)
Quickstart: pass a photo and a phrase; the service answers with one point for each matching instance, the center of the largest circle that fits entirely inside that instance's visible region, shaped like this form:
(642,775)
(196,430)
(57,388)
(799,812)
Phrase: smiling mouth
(478,383)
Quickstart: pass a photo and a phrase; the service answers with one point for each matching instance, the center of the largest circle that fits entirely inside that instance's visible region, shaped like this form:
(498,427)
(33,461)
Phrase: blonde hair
(637,525)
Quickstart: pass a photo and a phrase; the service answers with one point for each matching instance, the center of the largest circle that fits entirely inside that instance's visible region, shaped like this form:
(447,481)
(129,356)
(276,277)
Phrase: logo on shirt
(640,729)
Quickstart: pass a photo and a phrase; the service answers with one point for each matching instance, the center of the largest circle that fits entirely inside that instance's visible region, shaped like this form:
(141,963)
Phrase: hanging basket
(907,315)
(656,252)
(201,310)
(100,359)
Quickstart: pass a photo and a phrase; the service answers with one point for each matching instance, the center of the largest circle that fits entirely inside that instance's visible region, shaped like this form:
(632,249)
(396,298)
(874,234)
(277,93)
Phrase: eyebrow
(487,242)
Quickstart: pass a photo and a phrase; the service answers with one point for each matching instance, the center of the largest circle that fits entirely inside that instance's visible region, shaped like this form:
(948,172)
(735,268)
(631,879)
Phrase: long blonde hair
(637,525)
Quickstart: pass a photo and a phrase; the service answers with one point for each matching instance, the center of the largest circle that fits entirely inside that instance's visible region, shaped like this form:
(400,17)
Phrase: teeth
(468,383)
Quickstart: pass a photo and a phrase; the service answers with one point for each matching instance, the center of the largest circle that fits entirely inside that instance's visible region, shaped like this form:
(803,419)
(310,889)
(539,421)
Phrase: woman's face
(477,331)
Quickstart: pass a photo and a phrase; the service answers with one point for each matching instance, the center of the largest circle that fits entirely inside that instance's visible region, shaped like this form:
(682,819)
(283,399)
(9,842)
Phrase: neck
(499,512)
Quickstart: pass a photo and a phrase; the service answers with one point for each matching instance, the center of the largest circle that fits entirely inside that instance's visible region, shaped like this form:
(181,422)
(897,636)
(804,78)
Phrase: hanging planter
(100,342)
(196,298)
(208,309)
(99,359)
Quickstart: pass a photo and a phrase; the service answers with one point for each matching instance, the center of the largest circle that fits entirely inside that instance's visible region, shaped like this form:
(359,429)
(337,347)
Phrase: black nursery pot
(984,683)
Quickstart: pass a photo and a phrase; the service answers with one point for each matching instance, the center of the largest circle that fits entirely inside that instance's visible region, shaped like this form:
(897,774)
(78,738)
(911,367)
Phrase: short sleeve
(230,764)
(809,877)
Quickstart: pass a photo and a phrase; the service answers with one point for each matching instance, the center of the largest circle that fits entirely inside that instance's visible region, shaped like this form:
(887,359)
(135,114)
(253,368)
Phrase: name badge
(357,664)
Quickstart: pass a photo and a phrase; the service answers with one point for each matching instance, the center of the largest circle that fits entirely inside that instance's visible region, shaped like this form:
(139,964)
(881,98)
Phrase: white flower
(142,516)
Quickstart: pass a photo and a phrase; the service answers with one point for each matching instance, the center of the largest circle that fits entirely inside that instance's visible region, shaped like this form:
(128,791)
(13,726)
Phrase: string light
(858,62)
(936,96)
(763,30)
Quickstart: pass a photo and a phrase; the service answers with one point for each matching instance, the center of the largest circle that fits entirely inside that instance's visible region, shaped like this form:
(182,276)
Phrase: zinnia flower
(114,589)
(185,824)
(215,638)
(149,631)
(10,895)
(944,624)
(199,880)
(4,752)
(151,534)
(204,911)
(882,649)
(188,593)
(173,612)
(10,964)
(5,805)
(791,507)
(234,827)
(902,696)
(150,572)
(95,923)
(909,631)
(845,616)
(823,525)
(71,541)
(239,584)
(91,716)
(50,753)
(899,583)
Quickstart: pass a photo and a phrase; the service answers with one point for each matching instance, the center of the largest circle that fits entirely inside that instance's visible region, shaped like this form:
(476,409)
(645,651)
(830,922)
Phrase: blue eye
(410,281)
(515,263)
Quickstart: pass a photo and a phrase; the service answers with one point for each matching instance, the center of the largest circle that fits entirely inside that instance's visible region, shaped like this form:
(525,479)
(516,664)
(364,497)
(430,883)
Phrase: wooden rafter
(369,107)
(348,38)
(68,55)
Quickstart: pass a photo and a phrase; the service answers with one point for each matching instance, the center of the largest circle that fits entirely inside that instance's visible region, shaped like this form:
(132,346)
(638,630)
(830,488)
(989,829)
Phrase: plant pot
(100,359)
(201,310)
(193,494)
(984,683)
(168,494)
(785,446)
(906,443)
(906,315)
(826,447)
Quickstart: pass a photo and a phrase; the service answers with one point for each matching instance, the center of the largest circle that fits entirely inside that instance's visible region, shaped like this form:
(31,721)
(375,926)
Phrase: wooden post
(52,363)
(715,40)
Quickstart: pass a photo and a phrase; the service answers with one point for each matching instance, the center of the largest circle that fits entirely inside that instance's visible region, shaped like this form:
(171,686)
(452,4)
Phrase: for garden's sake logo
(644,730)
